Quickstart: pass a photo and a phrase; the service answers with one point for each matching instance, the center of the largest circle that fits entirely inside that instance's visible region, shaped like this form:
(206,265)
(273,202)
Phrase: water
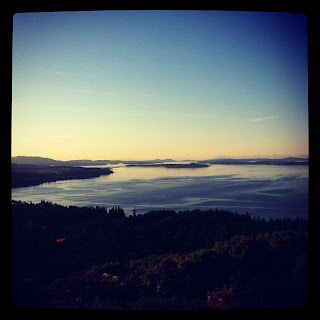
(262,190)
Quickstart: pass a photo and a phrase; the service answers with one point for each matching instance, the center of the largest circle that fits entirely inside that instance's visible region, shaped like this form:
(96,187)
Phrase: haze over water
(262,190)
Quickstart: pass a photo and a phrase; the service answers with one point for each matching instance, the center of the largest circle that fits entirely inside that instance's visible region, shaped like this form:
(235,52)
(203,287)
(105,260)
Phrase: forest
(97,258)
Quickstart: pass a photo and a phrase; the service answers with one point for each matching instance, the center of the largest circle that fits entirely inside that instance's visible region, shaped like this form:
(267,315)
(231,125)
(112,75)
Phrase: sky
(159,84)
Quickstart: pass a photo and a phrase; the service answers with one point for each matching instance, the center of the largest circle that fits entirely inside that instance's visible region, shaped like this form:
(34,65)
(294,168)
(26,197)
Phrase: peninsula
(25,175)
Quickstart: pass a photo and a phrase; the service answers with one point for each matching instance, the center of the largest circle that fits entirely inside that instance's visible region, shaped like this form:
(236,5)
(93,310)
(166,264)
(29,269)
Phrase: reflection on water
(268,191)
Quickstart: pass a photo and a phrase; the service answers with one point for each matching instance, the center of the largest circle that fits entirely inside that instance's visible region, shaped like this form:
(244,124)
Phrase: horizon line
(273,156)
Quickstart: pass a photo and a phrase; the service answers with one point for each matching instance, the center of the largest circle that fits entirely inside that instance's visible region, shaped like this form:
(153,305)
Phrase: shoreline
(27,175)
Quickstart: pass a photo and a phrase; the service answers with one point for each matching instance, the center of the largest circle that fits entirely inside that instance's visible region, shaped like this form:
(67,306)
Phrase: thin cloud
(109,93)
(136,113)
(168,114)
(64,108)
(260,119)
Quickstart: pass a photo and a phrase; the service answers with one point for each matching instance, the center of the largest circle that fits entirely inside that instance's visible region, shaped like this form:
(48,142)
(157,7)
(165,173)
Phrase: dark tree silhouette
(89,257)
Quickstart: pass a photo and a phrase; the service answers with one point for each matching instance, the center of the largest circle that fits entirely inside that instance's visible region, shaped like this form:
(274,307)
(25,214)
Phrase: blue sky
(158,84)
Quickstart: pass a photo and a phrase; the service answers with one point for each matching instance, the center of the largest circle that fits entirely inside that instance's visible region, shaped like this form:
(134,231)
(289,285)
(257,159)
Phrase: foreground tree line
(85,257)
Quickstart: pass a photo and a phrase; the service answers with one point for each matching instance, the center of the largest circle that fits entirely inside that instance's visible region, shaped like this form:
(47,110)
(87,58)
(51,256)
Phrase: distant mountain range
(77,163)
(41,161)
(51,162)
(256,161)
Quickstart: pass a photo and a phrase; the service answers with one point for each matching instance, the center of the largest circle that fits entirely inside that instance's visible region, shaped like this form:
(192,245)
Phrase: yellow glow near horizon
(86,87)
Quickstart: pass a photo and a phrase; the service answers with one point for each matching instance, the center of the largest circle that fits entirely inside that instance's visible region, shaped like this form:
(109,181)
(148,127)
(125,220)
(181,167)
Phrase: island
(170,165)
(25,175)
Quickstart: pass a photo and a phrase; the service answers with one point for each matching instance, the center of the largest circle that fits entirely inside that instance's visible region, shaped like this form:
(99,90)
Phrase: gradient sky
(159,84)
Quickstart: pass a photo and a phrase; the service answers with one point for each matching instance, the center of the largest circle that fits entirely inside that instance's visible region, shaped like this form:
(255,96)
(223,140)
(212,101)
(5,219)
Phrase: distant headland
(25,175)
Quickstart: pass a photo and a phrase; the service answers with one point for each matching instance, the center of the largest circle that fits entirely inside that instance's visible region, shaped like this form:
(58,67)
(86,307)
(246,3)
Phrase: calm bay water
(261,190)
